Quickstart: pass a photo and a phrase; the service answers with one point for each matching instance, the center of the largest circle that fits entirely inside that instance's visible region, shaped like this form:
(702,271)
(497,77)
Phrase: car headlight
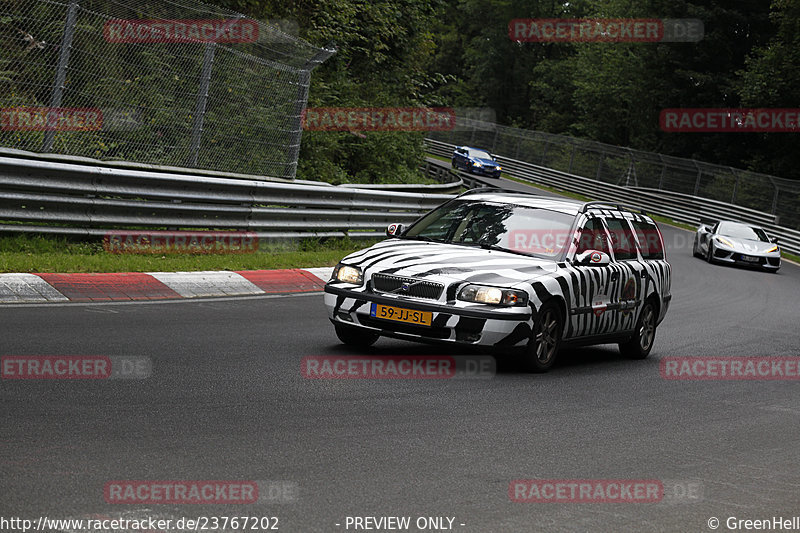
(493,296)
(725,241)
(475,164)
(499,167)
(773,249)
(348,274)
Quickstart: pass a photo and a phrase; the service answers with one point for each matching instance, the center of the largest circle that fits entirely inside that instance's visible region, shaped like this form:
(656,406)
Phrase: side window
(622,240)
(593,237)
(650,242)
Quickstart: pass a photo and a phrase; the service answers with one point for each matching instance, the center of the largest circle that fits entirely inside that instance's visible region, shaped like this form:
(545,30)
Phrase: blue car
(476,161)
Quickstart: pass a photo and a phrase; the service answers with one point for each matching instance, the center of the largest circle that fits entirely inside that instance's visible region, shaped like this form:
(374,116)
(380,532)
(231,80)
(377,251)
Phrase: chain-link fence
(634,168)
(167,82)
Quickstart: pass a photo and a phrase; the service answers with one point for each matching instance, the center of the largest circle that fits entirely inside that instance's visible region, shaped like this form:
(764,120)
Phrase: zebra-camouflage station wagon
(518,274)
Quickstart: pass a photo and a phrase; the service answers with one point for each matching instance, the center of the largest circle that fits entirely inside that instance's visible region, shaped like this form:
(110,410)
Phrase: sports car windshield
(480,154)
(515,228)
(740,231)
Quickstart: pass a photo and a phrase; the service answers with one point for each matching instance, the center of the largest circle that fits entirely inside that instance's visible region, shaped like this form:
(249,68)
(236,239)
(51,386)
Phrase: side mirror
(773,240)
(393,230)
(593,258)
(704,227)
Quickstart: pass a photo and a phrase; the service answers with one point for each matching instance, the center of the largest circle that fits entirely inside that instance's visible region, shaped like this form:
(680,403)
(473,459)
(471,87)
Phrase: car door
(627,287)
(589,285)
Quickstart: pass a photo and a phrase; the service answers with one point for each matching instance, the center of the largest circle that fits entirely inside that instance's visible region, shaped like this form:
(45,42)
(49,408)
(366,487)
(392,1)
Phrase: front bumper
(455,323)
(769,262)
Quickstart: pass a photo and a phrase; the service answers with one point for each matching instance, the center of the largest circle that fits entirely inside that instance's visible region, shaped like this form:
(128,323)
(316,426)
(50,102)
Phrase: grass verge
(36,253)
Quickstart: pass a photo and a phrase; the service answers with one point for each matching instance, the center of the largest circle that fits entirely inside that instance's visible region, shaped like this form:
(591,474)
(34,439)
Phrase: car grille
(415,287)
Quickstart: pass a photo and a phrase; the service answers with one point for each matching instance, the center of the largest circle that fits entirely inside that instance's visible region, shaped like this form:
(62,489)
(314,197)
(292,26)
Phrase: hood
(448,263)
(747,246)
(484,161)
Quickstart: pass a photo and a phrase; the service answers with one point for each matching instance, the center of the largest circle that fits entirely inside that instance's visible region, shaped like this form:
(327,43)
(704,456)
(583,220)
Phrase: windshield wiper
(487,246)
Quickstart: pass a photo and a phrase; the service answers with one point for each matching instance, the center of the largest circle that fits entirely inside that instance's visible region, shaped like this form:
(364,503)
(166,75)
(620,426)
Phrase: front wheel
(696,248)
(352,336)
(710,253)
(545,340)
(642,342)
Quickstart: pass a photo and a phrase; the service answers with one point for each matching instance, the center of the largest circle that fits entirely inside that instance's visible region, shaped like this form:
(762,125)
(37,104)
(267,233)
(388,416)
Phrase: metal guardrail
(42,195)
(79,199)
(680,207)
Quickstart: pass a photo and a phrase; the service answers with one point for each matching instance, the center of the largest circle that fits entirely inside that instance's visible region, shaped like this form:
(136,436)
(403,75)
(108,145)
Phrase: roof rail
(611,205)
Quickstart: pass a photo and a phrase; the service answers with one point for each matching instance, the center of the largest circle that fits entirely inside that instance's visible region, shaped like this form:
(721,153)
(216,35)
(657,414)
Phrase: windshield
(480,154)
(515,228)
(741,231)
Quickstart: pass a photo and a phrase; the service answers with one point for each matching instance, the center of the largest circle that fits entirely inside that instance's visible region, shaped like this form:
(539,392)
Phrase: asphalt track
(226,401)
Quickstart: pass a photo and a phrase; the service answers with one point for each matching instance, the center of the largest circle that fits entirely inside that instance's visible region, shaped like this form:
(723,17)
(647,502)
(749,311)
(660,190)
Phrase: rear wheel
(642,342)
(545,340)
(352,336)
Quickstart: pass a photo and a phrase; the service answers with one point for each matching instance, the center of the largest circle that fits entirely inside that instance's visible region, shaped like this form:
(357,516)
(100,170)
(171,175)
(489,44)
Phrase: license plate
(750,259)
(398,314)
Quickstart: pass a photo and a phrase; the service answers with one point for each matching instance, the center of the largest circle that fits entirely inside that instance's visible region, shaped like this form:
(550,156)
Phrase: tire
(642,342)
(710,252)
(695,249)
(352,336)
(453,164)
(545,340)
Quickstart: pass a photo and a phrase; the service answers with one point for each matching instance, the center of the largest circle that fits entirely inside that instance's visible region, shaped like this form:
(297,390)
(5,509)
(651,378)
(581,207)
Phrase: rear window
(650,243)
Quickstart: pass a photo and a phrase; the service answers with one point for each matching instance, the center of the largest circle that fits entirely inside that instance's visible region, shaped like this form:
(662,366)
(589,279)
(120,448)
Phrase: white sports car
(736,243)
(511,272)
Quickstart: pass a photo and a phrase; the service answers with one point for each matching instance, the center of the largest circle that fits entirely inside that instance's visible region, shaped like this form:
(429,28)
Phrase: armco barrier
(680,207)
(43,196)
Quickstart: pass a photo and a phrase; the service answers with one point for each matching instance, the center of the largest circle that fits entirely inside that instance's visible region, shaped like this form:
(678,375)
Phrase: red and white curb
(54,288)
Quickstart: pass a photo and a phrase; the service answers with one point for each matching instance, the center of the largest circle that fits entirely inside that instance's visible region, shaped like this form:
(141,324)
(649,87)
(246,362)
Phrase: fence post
(775,202)
(735,185)
(571,159)
(61,70)
(663,173)
(697,183)
(599,166)
(544,153)
(290,172)
(202,100)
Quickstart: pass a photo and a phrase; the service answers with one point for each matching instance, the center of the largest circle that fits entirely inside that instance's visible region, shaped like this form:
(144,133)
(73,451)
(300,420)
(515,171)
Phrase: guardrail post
(202,100)
(61,70)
